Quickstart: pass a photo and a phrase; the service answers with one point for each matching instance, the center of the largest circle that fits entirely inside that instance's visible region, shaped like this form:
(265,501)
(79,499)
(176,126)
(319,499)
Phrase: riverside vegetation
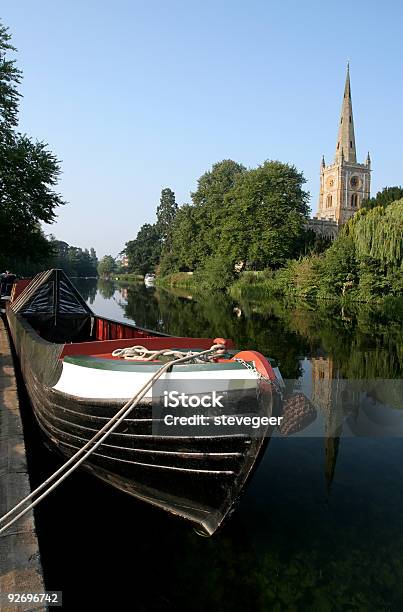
(245,232)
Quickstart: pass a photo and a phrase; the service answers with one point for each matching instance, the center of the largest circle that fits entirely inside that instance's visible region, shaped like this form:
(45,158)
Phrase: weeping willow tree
(377,238)
(379,234)
(364,263)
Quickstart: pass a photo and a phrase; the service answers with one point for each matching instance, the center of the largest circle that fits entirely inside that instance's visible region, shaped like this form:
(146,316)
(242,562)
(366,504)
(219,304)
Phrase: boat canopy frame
(55,309)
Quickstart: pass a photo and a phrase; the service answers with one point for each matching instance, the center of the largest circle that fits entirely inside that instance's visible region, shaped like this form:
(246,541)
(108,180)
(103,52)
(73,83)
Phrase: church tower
(345,183)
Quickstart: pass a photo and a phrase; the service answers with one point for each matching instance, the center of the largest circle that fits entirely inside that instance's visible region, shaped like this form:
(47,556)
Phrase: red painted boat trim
(114,330)
(105,347)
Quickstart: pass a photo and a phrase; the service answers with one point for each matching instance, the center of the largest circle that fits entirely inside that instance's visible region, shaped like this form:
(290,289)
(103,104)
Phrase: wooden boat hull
(197,477)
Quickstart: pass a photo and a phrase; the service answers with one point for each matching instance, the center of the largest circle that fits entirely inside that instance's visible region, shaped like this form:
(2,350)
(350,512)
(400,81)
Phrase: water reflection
(320,526)
(348,363)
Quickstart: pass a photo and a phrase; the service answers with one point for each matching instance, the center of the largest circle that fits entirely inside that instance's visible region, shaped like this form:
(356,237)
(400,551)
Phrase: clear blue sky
(137,96)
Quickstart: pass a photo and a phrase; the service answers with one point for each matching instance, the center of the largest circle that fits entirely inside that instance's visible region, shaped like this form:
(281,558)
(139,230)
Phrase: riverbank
(180,280)
(265,284)
(20,564)
(128,277)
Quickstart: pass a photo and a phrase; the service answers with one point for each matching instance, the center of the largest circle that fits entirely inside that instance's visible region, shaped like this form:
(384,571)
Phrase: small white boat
(149,280)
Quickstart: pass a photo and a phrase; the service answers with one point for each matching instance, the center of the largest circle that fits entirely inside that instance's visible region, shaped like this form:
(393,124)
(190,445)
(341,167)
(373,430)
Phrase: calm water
(320,526)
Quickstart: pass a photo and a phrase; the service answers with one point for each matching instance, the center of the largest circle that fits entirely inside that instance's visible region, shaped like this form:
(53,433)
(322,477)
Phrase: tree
(215,183)
(166,213)
(384,197)
(94,258)
(106,266)
(28,175)
(366,259)
(184,255)
(144,251)
(73,260)
(10,77)
(209,211)
(265,216)
(196,229)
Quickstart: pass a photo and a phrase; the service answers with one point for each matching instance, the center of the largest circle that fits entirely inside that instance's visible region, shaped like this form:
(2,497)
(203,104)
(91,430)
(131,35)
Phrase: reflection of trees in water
(143,308)
(106,288)
(363,342)
(303,565)
(87,287)
(312,555)
(212,315)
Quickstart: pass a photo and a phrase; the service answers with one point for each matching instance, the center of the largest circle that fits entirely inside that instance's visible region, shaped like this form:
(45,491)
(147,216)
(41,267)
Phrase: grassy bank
(128,277)
(183,280)
(266,284)
(363,264)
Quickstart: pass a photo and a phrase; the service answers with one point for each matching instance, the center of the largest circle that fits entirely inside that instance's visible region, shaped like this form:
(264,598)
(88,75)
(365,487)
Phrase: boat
(76,380)
(149,280)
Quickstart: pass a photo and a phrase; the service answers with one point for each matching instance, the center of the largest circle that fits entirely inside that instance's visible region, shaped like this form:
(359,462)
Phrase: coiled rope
(141,353)
(83,453)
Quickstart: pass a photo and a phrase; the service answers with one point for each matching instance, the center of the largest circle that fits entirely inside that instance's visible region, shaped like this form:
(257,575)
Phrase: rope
(83,453)
(141,353)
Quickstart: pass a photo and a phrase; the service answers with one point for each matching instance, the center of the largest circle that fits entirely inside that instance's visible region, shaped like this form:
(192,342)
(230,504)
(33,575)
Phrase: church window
(329,201)
(354,200)
(350,118)
(351,144)
(338,145)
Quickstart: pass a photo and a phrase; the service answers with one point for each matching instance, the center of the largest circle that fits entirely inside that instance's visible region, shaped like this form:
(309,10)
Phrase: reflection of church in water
(332,395)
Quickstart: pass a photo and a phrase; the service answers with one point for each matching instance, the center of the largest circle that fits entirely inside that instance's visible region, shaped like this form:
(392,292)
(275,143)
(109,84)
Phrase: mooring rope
(83,453)
(141,353)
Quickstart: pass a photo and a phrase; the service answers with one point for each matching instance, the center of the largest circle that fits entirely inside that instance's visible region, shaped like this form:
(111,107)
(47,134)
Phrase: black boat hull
(199,478)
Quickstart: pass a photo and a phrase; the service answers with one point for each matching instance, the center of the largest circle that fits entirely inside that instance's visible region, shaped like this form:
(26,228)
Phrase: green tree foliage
(166,213)
(144,251)
(216,273)
(73,260)
(256,217)
(28,175)
(365,262)
(384,197)
(106,266)
(197,227)
(265,215)
(10,77)
(187,250)
(214,184)
(209,208)
(378,234)
(339,267)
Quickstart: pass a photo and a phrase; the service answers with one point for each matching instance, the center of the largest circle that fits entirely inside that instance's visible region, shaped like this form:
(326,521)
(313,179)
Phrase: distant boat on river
(149,280)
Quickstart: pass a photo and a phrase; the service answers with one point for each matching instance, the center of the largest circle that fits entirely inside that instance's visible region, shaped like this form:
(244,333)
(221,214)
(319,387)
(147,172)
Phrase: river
(320,526)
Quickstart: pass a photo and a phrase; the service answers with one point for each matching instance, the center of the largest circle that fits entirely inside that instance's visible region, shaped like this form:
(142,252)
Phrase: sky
(135,96)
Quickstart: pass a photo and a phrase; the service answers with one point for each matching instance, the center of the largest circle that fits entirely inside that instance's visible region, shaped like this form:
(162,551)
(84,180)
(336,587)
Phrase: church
(345,183)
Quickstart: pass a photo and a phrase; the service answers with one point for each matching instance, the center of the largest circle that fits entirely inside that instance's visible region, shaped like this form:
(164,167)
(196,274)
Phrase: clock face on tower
(355,182)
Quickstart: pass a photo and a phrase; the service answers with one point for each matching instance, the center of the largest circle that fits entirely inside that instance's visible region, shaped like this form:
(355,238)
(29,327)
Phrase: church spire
(346,139)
